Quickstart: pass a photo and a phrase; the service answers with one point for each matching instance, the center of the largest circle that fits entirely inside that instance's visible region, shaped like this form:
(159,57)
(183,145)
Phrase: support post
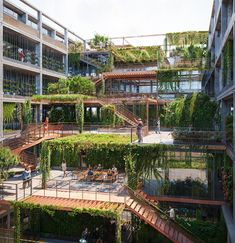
(1,69)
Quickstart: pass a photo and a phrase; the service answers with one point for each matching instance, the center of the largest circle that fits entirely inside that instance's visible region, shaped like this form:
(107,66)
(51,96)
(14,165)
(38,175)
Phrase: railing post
(16,192)
(131,135)
(56,188)
(109,194)
(31,187)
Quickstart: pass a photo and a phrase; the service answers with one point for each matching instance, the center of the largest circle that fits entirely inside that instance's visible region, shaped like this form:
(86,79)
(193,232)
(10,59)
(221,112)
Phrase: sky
(128,17)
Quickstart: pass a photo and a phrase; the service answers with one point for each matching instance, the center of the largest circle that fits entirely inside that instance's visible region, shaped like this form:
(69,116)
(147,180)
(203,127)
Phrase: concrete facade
(36,30)
(219,82)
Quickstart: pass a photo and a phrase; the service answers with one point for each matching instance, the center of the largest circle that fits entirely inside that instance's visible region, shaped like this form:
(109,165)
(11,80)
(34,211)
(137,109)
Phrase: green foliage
(56,221)
(74,60)
(76,47)
(206,231)
(195,110)
(107,150)
(7,160)
(227,63)
(99,42)
(229,128)
(138,54)
(60,97)
(108,116)
(27,112)
(61,87)
(75,85)
(17,232)
(81,85)
(187,38)
(8,111)
(62,113)
(45,164)
(79,111)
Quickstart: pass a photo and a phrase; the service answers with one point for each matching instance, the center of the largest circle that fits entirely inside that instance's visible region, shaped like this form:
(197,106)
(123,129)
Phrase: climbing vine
(79,111)
(8,111)
(227,63)
(27,113)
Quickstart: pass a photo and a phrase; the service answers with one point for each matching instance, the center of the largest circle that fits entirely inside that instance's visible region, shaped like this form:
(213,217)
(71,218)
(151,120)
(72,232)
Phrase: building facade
(219,81)
(34,52)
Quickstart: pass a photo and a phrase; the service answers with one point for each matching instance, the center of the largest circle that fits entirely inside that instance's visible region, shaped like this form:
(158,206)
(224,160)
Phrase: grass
(60,97)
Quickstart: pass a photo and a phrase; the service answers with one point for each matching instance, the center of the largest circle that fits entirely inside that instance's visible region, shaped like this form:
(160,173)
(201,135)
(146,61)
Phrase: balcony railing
(20,54)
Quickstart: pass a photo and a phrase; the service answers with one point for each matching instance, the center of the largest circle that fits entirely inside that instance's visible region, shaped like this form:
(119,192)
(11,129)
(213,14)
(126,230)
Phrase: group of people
(110,172)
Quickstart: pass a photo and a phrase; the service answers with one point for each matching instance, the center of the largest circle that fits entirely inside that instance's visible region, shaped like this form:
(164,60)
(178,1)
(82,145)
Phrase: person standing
(158,130)
(172,213)
(46,124)
(139,130)
(64,167)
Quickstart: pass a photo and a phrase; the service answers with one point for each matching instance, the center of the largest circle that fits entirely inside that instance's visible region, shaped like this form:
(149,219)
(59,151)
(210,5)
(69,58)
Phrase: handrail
(140,197)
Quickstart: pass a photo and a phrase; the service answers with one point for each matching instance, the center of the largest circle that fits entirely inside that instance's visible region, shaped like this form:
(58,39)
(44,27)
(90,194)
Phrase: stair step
(146,213)
(133,205)
(154,219)
(129,202)
(141,211)
(137,208)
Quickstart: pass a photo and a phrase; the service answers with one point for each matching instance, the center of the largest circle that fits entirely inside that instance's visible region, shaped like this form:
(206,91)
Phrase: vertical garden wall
(37,221)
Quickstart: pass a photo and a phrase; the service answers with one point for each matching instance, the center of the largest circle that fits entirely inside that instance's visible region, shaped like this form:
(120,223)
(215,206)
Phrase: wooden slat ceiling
(68,204)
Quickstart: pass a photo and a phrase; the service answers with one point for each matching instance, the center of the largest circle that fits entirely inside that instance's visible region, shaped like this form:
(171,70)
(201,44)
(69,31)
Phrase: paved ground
(163,137)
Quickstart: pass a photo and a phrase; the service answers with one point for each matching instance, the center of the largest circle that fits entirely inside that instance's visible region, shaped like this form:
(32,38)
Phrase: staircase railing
(163,215)
(123,111)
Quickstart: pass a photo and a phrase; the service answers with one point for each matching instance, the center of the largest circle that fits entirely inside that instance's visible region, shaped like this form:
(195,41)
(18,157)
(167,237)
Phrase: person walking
(64,167)
(139,131)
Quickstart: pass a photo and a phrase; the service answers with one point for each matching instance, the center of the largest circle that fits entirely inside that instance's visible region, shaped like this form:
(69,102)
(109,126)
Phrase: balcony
(54,42)
(20,26)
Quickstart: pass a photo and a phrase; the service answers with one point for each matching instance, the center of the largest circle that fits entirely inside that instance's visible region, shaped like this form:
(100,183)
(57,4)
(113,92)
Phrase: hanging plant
(8,112)
(27,112)
(79,111)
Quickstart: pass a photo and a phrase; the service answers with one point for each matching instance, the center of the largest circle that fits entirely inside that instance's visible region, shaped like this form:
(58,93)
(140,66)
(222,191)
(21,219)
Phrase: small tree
(7,160)
(81,85)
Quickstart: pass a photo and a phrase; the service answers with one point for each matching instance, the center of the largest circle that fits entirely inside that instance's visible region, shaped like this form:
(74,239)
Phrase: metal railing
(190,134)
(179,227)
(64,189)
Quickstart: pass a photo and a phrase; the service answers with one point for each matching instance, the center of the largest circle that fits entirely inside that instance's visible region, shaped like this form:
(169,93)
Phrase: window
(47,32)
(10,12)
(32,24)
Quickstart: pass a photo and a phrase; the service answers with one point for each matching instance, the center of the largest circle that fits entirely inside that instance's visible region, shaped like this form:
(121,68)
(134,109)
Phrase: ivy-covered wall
(196,110)
(51,221)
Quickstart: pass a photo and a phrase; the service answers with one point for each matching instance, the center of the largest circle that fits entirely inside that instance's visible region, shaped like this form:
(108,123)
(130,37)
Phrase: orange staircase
(152,215)
(121,111)
(31,136)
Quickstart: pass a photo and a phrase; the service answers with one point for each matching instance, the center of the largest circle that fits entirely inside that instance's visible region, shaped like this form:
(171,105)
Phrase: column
(40,62)
(224,16)
(1,69)
(66,42)
(223,117)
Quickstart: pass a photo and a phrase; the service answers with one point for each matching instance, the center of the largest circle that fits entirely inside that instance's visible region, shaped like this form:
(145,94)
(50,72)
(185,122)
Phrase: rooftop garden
(138,54)
(187,38)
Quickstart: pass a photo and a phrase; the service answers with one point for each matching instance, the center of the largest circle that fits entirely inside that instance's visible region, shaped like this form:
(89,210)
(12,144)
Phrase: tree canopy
(7,160)
(72,85)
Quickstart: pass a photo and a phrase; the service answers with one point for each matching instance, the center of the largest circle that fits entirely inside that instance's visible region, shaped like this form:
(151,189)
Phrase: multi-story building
(219,81)
(34,52)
